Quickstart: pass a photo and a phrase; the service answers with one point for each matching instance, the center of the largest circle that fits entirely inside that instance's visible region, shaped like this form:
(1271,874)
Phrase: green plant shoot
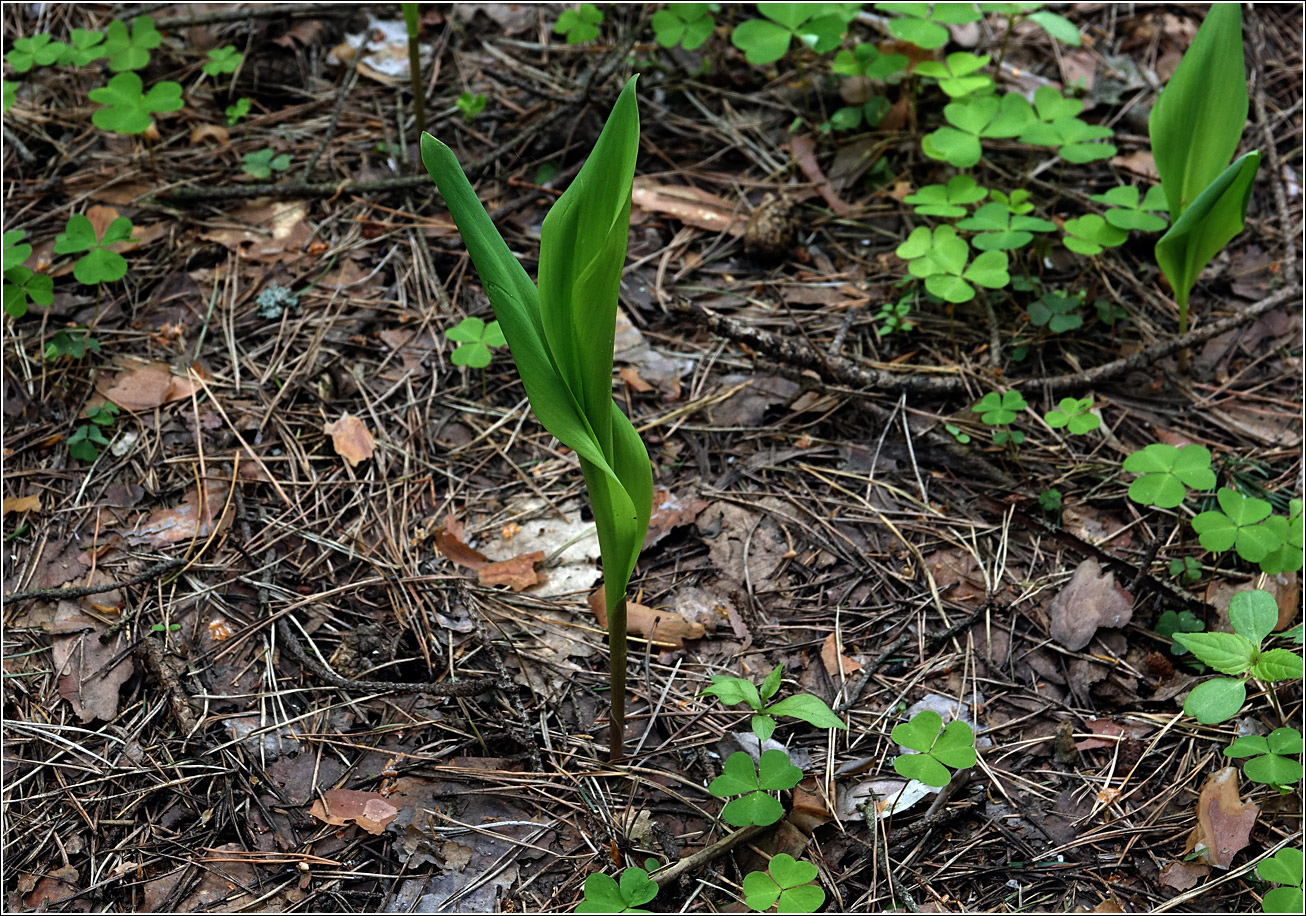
(561,338)
(1195,127)
(604,895)
(476,338)
(954,747)
(1284,867)
(786,885)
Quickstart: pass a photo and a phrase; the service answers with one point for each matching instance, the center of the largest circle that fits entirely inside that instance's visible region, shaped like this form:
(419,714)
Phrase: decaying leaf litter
(323,465)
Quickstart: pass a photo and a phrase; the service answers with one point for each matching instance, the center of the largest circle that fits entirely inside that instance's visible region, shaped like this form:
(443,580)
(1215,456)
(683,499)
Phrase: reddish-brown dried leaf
(670,511)
(667,628)
(1224,820)
(804,150)
(89,671)
(517,573)
(1183,875)
(833,661)
(1090,600)
(351,439)
(147,387)
(448,540)
(194,518)
(689,205)
(369,810)
(21,504)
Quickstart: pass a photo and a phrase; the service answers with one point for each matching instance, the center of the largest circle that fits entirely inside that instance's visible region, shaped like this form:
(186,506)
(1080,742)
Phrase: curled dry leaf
(833,661)
(21,504)
(194,518)
(147,387)
(351,439)
(671,511)
(689,205)
(448,540)
(1090,600)
(369,810)
(667,628)
(517,573)
(1224,820)
(214,132)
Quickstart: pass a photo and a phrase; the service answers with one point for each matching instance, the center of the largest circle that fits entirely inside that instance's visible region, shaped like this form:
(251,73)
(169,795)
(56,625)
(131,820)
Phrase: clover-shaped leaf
(34,51)
(1270,761)
(470,105)
(686,24)
(222,60)
(787,882)
(1238,524)
(939,258)
(1091,234)
(999,409)
(866,60)
(953,747)
(765,41)
(1055,312)
(1166,472)
(10,95)
(1288,558)
(237,110)
(99,264)
(86,46)
(21,285)
(476,338)
(740,777)
(1284,867)
(957,74)
(1127,213)
(580,24)
(14,252)
(1172,622)
(1075,414)
(262,163)
(985,116)
(1000,229)
(129,108)
(948,200)
(131,50)
(86,442)
(604,895)
(924,26)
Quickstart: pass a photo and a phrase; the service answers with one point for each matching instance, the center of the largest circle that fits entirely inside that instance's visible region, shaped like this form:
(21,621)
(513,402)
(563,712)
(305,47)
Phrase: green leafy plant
(1253,615)
(1238,523)
(604,895)
(1284,867)
(129,107)
(867,60)
(34,51)
(262,163)
(925,25)
(786,885)
(764,41)
(1075,415)
(1091,235)
(88,439)
(130,50)
(1054,121)
(735,690)
(580,24)
(956,433)
(972,120)
(1269,757)
(948,200)
(1186,569)
(561,338)
(73,343)
(999,409)
(1050,500)
(85,46)
(850,117)
(1056,312)
(686,24)
(99,264)
(1000,229)
(22,284)
(222,60)
(1108,313)
(958,73)
(476,339)
(1288,558)
(941,259)
(752,783)
(1172,622)
(470,105)
(237,110)
(954,747)
(1167,472)
(1129,214)
(10,95)
(893,316)
(1195,127)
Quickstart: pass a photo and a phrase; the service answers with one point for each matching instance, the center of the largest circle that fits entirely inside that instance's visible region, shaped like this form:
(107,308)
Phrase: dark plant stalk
(415,67)
(617,679)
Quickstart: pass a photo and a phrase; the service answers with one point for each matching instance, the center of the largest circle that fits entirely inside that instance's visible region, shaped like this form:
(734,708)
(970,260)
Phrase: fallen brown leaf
(214,132)
(833,661)
(21,504)
(369,810)
(89,671)
(1090,600)
(630,375)
(804,150)
(665,627)
(671,511)
(1183,875)
(351,439)
(193,518)
(448,540)
(147,387)
(689,205)
(518,573)
(1224,820)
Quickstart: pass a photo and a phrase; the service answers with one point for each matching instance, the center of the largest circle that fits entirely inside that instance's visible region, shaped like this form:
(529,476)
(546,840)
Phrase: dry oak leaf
(194,518)
(368,810)
(351,439)
(833,661)
(147,387)
(517,573)
(1090,600)
(665,627)
(89,671)
(449,542)
(21,504)
(1224,820)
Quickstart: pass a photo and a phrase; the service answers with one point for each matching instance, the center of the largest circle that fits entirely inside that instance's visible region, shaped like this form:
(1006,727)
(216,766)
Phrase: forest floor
(298,473)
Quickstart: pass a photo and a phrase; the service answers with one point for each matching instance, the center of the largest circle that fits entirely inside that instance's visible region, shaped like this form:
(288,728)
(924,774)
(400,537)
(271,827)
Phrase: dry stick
(707,854)
(346,86)
(58,594)
(271,11)
(1272,153)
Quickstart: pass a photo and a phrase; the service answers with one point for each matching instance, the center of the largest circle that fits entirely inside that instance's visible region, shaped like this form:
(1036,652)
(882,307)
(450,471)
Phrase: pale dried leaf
(518,573)
(689,205)
(21,504)
(351,439)
(1090,600)
(665,627)
(1224,820)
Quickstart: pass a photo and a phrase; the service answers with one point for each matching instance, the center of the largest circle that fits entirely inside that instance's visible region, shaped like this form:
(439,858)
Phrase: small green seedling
(128,107)
(1167,472)
(1195,127)
(953,747)
(165,628)
(1238,523)
(262,163)
(1050,500)
(1002,230)
(1270,757)
(10,95)
(22,284)
(238,110)
(1054,121)
(786,885)
(1253,615)
(604,895)
(1284,867)
(734,690)
(34,51)
(924,26)
(222,60)
(130,50)
(999,409)
(1188,570)
(1287,558)
(765,41)
(1172,622)
(740,777)
(686,24)
(87,441)
(86,46)
(73,342)
(477,339)
(470,105)
(948,200)
(956,433)
(850,117)
(1075,414)
(974,119)
(958,74)
(1108,313)
(1127,213)
(99,264)
(940,258)
(892,317)
(866,60)
(1091,235)
(580,24)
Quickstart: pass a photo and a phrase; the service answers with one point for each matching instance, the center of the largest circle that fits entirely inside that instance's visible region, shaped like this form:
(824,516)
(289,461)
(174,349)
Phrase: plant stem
(1182,355)
(617,679)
